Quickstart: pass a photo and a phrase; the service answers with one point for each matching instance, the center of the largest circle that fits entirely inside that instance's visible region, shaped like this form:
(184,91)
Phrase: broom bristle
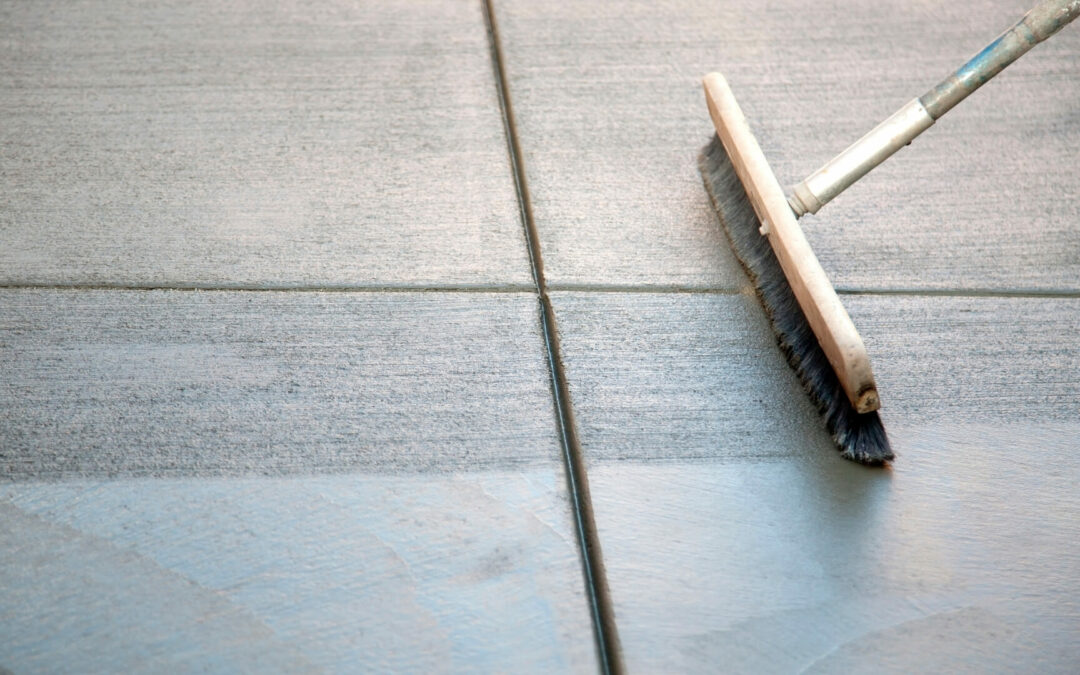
(860,436)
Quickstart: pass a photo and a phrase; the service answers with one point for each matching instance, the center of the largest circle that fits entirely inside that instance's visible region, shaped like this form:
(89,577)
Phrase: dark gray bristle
(860,437)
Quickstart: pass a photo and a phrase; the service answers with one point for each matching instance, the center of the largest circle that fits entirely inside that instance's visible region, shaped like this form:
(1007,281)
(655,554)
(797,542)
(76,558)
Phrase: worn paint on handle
(1037,25)
(918,115)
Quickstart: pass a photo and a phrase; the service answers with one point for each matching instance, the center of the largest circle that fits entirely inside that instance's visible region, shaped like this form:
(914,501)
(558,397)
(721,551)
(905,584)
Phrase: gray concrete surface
(370,572)
(735,534)
(299,480)
(685,377)
(101,383)
(611,117)
(732,533)
(246,144)
(132,540)
(279,482)
(964,559)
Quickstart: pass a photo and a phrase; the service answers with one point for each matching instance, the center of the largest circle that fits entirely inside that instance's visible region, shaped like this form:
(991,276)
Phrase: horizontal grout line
(926,292)
(964,293)
(629,289)
(712,290)
(278,288)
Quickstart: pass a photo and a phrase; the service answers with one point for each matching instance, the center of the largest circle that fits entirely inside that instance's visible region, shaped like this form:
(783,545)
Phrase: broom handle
(839,173)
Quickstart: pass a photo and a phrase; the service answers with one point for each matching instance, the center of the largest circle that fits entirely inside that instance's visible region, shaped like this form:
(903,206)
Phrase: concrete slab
(964,559)
(246,144)
(429,572)
(443,541)
(611,116)
(301,481)
(210,382)
(733,533)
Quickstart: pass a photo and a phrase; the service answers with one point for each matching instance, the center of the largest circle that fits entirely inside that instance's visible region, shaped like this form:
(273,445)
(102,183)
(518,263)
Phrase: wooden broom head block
(816,296)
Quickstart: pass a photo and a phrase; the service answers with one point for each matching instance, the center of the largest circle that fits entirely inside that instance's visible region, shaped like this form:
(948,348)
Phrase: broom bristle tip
(859,436)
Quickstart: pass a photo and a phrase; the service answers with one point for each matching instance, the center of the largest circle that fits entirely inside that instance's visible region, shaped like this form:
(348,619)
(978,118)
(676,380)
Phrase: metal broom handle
(917,116)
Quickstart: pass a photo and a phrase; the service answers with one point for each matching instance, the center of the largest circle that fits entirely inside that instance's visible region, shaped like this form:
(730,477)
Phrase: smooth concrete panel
(97,382)
(735,537)
(964,558)
(253,144)
(455,572)
(611,117)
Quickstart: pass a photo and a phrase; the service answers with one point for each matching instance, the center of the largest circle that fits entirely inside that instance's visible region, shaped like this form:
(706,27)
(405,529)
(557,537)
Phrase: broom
(812,327)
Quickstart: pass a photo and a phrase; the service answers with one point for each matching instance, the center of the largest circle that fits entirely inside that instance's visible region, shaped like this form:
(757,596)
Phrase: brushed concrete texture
(611,117)
(663,377)
(470,572)
(99,382)
(734,534)
(248,144)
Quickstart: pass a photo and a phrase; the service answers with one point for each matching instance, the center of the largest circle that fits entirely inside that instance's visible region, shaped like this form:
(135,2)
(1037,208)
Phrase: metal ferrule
(862,156)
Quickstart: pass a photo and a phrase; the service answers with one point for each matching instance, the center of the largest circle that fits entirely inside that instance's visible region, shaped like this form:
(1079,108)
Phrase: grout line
(629,289)
(964,293)
(673,289)
(277,288)
(603,616)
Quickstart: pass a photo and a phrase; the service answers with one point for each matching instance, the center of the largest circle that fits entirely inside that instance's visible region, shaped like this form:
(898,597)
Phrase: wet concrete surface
(422,572)
(733,532)
(271,481)
(962,559)
(298,480)
(416,518)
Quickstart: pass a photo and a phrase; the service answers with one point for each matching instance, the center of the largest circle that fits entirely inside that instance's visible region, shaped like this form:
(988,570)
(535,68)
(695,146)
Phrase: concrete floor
(277,390)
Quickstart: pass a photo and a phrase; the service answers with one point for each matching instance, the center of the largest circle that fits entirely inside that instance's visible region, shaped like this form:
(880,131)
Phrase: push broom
(812,326)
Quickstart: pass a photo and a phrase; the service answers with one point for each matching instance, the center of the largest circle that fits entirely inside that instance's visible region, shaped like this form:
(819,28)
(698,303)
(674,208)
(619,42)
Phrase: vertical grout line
(596,586)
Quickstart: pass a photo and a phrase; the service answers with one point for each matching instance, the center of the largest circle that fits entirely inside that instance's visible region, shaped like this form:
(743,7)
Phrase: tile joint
(603,616)
(531,289)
